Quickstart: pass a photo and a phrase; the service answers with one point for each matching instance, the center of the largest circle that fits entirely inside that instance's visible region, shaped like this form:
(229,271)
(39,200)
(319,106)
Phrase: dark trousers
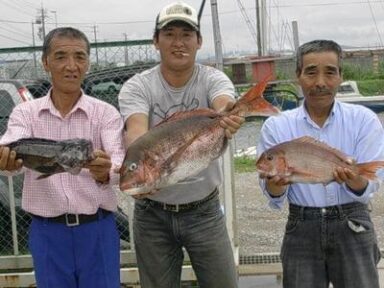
(160,236)
(330,245)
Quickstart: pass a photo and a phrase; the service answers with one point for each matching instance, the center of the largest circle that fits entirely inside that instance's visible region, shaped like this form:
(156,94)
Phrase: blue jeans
(160,236)
(331,245)
(83,256)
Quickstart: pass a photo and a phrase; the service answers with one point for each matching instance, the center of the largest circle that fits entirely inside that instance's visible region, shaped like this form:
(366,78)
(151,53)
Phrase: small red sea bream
(307,160)
(184,144)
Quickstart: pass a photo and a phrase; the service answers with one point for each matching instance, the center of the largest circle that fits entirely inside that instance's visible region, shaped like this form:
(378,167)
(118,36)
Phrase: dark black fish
(50,157)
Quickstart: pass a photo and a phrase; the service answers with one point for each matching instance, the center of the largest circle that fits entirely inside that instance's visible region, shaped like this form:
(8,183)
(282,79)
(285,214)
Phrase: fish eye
(132,167)
(269,157)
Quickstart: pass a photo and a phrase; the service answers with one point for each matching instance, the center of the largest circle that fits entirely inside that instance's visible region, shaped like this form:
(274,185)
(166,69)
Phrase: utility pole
(34,52)
(125,49)
(258,29)
(43,21)
(217,36)
(40,19)
(97,53)
(263,18)
(295,30)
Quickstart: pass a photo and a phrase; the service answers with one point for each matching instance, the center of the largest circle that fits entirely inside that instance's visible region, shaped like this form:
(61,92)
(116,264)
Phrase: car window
(38,89)
(6,108)
(105,89)
(7,103)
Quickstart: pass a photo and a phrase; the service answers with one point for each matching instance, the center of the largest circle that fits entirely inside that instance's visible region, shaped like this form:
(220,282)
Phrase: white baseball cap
(177,11)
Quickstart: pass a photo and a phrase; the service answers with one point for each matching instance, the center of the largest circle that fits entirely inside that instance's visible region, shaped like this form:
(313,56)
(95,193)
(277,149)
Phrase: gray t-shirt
(150,94)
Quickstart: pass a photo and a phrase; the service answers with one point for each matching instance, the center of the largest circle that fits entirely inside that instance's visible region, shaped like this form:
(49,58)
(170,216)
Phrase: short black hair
(317,46)
(64,32)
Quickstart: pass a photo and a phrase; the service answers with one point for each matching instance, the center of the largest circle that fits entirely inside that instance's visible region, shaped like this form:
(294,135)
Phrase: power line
(10,38)
(14,6)
(374,21)
(13,31)
(26,3)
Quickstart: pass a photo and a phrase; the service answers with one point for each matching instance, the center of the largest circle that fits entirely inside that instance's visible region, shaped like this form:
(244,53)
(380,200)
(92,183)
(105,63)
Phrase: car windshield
(38,88)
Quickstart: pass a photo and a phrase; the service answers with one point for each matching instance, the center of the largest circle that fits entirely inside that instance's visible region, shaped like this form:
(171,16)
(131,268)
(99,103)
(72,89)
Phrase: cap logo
(179,9)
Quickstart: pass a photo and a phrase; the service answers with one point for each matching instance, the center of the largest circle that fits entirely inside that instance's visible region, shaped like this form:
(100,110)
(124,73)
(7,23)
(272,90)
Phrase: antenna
(201,11)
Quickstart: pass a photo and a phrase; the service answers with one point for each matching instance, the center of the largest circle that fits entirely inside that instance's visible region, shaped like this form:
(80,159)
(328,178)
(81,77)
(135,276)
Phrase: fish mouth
(266,173)
(134,189)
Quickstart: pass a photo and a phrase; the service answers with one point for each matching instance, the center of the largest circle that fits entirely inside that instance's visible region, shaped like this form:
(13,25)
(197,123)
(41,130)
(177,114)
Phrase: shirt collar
(82,105)
(303,113)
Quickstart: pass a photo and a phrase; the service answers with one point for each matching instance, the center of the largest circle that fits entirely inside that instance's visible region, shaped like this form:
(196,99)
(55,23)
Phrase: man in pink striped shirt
(73,236)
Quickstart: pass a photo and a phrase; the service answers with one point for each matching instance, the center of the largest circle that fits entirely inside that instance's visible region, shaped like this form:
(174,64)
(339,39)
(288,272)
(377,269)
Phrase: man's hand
(100,166)
(8,160)
(276,185)
(353,180)
(231,123)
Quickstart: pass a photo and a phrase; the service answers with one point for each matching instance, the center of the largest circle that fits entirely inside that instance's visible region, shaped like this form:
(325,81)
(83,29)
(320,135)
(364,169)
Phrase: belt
(182,207)
(75,219)
(329,211)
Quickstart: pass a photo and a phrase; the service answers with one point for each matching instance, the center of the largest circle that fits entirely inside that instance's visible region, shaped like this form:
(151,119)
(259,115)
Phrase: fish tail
(253,103)
(369,169)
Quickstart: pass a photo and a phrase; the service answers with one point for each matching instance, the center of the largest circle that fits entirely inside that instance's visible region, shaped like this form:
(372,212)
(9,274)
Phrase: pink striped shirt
(61,193)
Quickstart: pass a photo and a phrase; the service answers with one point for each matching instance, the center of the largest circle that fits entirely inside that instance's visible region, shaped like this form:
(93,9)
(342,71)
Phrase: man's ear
(200,42)
(155,43)
(44,60)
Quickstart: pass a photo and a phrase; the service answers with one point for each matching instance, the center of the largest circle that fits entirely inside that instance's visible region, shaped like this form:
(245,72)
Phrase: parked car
(106,87)
(106,84)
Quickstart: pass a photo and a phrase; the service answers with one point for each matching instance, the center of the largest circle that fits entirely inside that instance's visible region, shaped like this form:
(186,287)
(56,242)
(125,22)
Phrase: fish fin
(369,169)
(253,103)
(312,141)
(30,140)
(188,114)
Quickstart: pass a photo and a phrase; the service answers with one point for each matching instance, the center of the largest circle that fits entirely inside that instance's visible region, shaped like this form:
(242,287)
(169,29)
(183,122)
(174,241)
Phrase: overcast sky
(349,22)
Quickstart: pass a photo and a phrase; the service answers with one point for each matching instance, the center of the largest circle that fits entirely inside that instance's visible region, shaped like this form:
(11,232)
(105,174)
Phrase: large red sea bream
(183,145)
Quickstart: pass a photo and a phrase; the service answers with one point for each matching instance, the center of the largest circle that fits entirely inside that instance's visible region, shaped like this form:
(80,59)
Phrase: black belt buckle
(72,220)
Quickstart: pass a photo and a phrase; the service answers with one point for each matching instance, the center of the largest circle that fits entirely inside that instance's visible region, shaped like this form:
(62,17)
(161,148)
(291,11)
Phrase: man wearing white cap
(187,214)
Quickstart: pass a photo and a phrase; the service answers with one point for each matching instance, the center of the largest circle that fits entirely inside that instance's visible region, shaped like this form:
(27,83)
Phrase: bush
(244,164)
(371,87)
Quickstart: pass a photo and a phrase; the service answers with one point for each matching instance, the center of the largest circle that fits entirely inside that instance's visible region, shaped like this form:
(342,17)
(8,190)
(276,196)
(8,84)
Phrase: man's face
(320,78)
(67,61)
(178,45)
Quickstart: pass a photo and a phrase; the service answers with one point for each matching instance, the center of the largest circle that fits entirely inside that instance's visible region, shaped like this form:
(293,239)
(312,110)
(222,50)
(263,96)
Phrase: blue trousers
(83,256)
(331,245)
(160,236)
